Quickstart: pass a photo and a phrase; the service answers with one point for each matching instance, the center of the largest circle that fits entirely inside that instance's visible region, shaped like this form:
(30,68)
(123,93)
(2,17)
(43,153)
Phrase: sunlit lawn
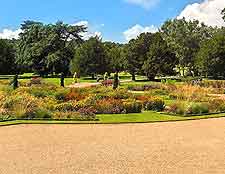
(145,117)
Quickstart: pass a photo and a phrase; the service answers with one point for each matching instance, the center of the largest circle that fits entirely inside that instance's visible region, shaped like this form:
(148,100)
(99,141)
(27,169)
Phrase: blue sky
(110,17)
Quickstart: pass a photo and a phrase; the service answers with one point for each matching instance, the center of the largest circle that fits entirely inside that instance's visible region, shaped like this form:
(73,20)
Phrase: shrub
(216,105)
(87,102)
(65,107)
(73,116)
(37,92)
(119,94)
(22,106)
(74,95)
(176,108)
(197,108)
(43,113)
(61,94)
(182,108)
(49,103)
(160,92)
(109,106)
(87,112)
(132,107)
(155,104)
(191,93)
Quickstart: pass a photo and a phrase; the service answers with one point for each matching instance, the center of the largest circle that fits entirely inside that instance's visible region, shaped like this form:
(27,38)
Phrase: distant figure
(75,78)
(106,76)
(62,80)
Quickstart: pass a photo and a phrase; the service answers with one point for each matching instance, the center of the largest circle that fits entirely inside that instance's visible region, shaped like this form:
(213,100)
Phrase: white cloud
(135,31)
(208,11)
(147,4)
(90,32)
(10,34)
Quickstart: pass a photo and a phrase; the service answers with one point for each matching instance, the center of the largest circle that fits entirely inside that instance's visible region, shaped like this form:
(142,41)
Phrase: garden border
(71,122)
(191,115)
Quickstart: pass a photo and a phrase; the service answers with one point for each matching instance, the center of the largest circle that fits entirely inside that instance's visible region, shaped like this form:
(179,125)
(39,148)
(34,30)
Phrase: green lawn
(145,117)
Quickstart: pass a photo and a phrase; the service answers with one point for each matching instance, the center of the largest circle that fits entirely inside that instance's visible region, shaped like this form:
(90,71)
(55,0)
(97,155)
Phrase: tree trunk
(133,77)
(93,76)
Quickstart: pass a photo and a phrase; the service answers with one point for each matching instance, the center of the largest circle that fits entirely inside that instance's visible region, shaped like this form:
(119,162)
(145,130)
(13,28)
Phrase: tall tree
(161,59)
(136,53)
(7,57)
(90,58)
(211,57)
(115,57)
(185,37)
(47,48)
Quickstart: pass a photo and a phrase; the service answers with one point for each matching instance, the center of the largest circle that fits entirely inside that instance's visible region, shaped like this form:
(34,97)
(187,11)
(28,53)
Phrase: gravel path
(193,147)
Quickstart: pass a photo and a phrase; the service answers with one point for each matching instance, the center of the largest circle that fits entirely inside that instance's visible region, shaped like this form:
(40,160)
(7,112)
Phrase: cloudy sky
(115,20)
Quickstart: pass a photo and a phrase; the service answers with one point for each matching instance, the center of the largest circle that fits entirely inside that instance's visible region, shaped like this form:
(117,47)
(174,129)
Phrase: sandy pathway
(193,147)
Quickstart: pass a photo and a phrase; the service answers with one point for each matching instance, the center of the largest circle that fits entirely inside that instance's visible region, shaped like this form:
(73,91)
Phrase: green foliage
(211,57)
(47,48)
(132,107)
(160,58)
(115,57)
(155,104)
(61,94)
(90,58)
(7,57)
(136,53)
(65,107)
(24,106)
(217,105)
(43,114)
(196,108)
(185,38)
(73,116)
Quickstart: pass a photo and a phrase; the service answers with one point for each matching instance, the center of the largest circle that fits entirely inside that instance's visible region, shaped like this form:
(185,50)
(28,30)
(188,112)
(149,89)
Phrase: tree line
(187,48)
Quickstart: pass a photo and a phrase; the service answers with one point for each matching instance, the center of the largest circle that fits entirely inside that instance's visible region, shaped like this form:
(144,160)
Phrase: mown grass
(145,117)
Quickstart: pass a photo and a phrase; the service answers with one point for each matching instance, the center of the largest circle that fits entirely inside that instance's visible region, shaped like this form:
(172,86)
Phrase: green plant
(160,92)
(65,107)
(67,116)
(197,108)
(43,113)
(109,106)
(217,105)
(88,112)
(176,108)
(132,107)
(155,104)
(22,106)
(61,94)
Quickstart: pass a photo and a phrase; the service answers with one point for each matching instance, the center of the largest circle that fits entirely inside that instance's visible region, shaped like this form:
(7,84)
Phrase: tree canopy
(48,48)
(7,57)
